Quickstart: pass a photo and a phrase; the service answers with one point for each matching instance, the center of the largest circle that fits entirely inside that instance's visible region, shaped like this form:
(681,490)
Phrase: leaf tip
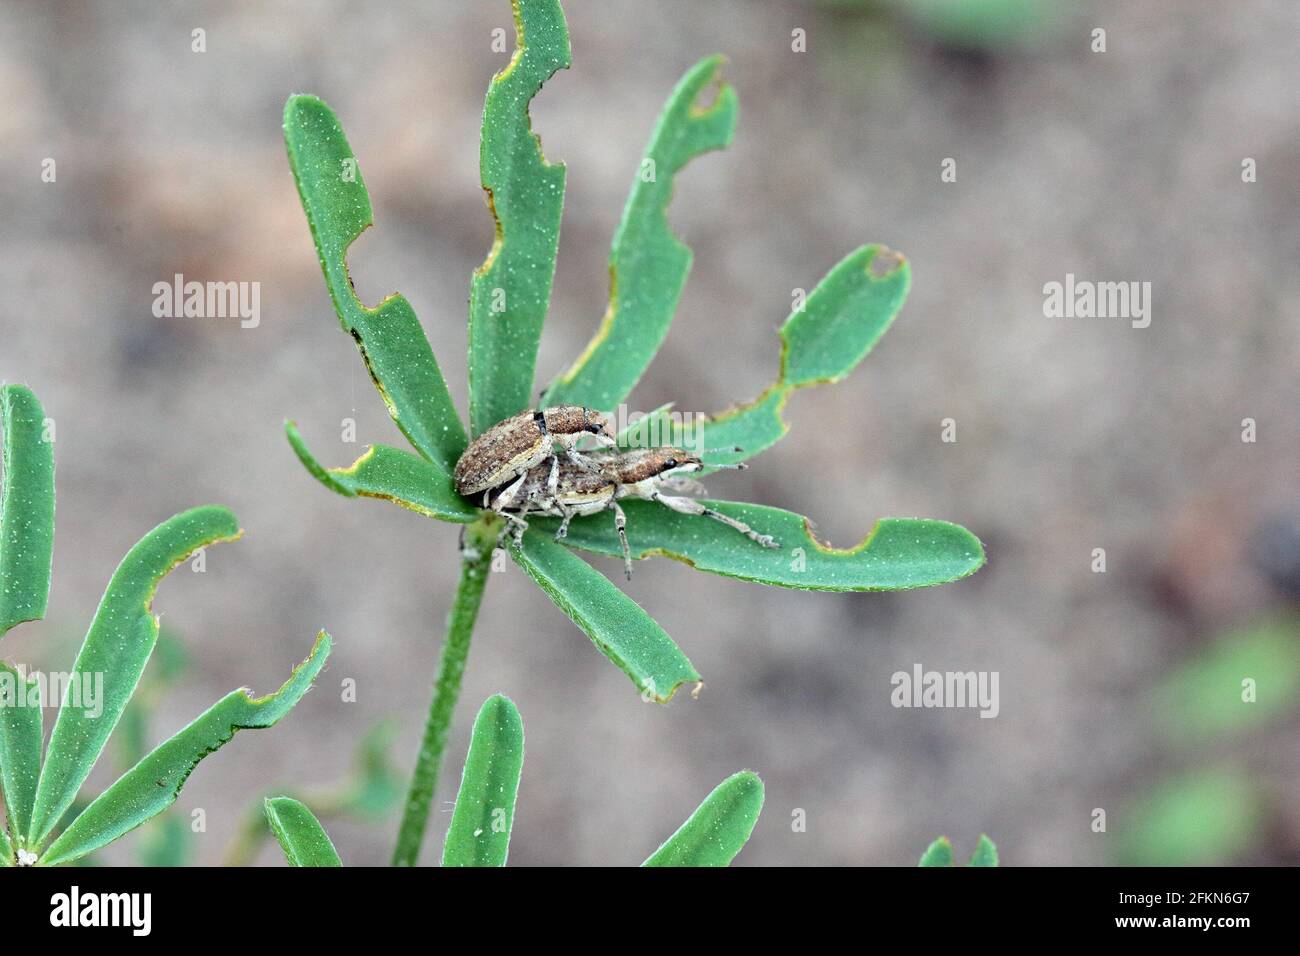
(299,105)
(882,262)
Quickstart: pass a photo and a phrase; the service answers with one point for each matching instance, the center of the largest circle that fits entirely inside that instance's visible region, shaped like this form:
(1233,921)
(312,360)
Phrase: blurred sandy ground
(1072,434)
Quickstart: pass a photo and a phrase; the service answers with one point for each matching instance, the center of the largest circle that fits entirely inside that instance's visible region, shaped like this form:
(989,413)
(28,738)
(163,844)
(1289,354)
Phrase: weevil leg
(506,501)
(563,531)
(515,525)
(510,497)
(581,460)
(569,444)
(689,506)
(620,524)
(553,480)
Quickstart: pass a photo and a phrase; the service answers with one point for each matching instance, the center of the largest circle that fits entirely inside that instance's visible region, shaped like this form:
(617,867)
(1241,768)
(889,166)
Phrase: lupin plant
(821,342)
(484,813)
(42,827)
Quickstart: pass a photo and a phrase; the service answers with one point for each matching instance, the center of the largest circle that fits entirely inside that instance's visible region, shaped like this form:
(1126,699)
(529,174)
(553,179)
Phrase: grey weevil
(507,450)
(567,491)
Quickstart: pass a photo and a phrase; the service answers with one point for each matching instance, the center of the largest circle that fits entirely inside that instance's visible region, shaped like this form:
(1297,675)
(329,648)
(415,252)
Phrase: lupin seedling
(822,341)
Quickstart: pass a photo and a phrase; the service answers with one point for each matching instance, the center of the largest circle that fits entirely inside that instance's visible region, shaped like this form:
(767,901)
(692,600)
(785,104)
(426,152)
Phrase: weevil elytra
(507,450)
(566,490)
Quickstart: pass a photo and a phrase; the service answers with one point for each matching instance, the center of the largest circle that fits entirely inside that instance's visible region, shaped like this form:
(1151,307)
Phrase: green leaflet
(484,814)
(938,853)
(511,291)
(899,553)
(392,343)
(648,265)
(392,474)
(986,854)
(303,839)
(844,317)
(718,829)
(848,312)
(6,849)
(20,745)
(616,624)
(26,509)
(153,784)
(116,649)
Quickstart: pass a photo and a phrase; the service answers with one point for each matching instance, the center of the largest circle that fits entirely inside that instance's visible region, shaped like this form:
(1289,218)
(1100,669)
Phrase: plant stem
(476,557)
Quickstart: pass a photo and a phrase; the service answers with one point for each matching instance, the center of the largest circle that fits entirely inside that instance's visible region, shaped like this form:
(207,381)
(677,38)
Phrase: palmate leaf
(484,813)
(153,784)
(26,509)
(718,829)
(117,647)
(616,624)
(899,553)
(303,839)
(648,265)
(840,322)
(20,745)
(392,474)
(511,291)
(392,343)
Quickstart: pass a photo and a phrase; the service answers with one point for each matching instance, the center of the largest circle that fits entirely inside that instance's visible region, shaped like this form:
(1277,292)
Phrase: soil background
(1072,434)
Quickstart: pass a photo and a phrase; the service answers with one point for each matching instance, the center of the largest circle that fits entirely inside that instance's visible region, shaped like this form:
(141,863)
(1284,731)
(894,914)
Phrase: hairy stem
(476,557)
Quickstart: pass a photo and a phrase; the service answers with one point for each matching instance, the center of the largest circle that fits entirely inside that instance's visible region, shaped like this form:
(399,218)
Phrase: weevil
(568,491)
(507,450)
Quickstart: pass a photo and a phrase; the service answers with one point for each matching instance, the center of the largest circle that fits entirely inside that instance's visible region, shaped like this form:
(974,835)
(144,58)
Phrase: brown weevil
(566,490)
(507,450)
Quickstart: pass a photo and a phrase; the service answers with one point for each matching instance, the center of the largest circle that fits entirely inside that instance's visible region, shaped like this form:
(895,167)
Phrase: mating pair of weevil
(517,466)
